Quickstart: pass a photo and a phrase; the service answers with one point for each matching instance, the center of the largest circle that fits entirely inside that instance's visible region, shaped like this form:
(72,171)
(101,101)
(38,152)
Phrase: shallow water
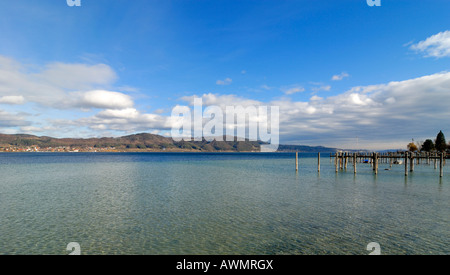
(236,203)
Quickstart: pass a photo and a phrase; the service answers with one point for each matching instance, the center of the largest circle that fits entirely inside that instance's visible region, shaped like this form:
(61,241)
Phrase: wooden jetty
(408,159)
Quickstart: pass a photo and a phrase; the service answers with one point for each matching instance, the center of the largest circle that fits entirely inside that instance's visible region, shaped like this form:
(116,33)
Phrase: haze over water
(216,203)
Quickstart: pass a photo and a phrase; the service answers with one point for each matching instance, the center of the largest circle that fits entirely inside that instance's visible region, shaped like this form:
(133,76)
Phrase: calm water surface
(178,203)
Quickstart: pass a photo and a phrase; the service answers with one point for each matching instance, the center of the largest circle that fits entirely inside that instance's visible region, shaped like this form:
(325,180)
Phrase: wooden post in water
(318,162)
(411,164)
(435,161)
(354,163)
(373,161)
(346,161)
(296,161)
(376,163)
(406,163)
(336,162)
(441,166)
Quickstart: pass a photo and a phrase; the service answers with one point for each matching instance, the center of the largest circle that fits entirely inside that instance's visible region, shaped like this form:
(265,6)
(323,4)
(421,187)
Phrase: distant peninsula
(143,142)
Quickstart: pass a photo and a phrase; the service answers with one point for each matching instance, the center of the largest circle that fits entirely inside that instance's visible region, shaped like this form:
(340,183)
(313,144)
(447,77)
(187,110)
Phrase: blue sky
(337,69)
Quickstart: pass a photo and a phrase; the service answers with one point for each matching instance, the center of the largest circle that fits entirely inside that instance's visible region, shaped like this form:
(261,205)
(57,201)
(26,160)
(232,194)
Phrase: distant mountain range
(140,142)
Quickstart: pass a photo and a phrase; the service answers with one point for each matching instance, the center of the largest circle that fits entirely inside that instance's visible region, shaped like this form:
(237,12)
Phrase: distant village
(56,149)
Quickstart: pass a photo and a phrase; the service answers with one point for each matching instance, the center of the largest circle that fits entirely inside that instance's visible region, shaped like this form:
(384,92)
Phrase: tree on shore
(441,144)
(428,146)
(412,147)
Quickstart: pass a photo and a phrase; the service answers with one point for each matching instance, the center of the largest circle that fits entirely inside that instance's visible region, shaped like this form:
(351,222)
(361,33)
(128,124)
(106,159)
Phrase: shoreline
(143,151)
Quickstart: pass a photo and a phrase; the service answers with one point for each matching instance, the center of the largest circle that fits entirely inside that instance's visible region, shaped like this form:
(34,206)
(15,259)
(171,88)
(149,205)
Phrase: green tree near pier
(441,144)
(428,146)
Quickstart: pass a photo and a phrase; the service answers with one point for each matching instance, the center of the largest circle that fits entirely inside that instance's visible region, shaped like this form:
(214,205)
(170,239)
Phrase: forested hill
(137,142)
(306,149)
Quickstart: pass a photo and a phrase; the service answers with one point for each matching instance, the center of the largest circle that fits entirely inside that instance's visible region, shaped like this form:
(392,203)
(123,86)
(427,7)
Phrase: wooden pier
(408,159)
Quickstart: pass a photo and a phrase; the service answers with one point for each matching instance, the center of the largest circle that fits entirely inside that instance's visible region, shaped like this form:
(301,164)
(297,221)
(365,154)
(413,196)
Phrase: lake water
(235,203)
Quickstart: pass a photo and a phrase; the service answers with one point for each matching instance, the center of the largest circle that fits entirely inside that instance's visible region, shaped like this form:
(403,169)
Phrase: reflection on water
(216,204)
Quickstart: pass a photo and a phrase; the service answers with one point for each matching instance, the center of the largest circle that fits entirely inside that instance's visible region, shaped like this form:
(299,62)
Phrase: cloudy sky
(343,74)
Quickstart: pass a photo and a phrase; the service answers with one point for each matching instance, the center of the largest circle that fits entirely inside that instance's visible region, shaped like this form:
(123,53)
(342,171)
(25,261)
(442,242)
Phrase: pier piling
(336,162)
(342,159)
(318,162)
(376,163)
(346,161)
(406,163)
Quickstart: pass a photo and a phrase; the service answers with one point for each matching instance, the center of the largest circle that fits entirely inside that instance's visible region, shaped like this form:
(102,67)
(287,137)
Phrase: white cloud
(61,88)
(325,88)
(13,100)
(381,116)
(377,114)
(76,76)
(127,113)
(226,81)
(104,100)
(8,119)
(159,111)
(293,90)
(339,77)
(128,120)
(51,85)
(265,87)
(437,45)
(34,129)
(221,100)
(315,98)
(128,89)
